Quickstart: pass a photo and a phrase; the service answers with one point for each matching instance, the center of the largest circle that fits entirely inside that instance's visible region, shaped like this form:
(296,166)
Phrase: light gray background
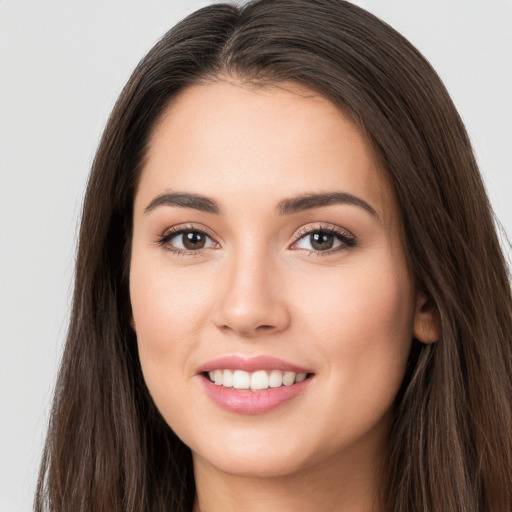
(62,64)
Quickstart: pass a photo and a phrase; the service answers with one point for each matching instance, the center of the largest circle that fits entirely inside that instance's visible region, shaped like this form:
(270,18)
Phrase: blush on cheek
(366,325)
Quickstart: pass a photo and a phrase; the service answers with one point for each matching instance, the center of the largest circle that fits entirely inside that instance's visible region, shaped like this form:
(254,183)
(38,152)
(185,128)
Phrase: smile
(255,381)
(254,385)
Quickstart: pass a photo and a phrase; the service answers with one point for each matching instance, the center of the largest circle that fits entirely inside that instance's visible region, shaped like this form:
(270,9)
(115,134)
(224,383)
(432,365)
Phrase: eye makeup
(324,239)
(317,240)
(189,240)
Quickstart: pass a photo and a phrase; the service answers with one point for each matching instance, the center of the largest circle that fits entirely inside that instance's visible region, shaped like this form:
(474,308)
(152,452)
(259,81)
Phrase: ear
(427,324)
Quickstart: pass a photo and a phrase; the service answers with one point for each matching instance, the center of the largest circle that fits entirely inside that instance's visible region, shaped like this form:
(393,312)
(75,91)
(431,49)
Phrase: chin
(255,466)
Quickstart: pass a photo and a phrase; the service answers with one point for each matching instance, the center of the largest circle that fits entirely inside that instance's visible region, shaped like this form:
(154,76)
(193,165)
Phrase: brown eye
(193,240)
(325,240)
(321,241)
(187,240)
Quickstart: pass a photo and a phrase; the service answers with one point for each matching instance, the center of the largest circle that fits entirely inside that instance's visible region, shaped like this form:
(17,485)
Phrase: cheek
(168,307)
(361,332)
(363,322)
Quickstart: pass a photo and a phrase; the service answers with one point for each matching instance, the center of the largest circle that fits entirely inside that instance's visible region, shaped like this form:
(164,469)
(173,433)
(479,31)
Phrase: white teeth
(276,379)
(288,378)
(217,377)
(261,379)
(241,380)
(227,379)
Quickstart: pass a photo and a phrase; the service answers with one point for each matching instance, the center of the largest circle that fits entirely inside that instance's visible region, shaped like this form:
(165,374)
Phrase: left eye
(323,241)
(188,240)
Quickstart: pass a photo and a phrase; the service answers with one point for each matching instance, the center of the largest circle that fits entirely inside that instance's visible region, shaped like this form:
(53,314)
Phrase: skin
(259,288)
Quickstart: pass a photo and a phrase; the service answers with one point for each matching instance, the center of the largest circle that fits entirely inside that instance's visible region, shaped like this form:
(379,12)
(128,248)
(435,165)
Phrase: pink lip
(246,401)
(251,364)
(251,402)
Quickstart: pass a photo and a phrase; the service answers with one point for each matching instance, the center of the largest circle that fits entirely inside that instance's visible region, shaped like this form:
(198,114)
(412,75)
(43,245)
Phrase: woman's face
(266,246)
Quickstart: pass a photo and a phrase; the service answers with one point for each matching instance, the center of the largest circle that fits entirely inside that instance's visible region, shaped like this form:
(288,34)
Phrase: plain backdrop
(62,65)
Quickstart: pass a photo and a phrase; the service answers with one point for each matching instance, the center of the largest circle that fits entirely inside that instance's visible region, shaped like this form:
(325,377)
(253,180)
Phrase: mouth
(254,385)
(258,380)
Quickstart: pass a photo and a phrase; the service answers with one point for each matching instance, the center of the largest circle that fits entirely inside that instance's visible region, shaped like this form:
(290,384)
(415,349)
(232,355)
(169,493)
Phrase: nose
(252,299)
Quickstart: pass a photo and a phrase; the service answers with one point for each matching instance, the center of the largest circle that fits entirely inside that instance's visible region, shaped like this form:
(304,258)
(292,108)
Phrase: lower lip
(244,401)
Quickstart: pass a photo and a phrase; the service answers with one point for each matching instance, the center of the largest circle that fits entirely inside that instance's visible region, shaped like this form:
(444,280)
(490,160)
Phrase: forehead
(227,139)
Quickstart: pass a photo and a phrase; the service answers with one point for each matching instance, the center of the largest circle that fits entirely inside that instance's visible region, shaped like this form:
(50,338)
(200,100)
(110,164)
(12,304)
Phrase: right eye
(186,240)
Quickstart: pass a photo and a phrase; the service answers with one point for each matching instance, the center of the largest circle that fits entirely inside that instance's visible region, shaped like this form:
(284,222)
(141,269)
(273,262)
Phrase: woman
(289,290)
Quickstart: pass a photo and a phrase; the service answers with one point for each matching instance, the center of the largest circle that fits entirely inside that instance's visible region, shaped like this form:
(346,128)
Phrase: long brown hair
(450,445)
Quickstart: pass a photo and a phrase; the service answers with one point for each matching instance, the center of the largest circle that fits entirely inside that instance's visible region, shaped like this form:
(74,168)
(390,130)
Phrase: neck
(337,485)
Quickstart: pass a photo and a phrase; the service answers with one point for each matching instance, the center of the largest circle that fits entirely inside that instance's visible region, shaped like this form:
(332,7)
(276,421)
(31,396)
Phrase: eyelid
(178,228)
(172,231)
(347,238)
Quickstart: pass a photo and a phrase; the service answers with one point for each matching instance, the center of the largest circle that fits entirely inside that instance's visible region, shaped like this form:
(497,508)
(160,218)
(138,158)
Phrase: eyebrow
(309,201)
(285,207)
(184,200)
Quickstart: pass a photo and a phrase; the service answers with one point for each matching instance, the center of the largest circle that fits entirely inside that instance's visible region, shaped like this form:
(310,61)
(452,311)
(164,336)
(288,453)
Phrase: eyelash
(170,233)
(348,241)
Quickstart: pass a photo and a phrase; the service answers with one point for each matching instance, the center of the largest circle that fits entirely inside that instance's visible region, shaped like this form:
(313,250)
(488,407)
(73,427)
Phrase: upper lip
(250,364)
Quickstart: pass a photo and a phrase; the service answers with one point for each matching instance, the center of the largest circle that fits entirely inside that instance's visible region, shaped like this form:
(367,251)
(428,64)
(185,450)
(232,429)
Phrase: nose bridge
(252,301)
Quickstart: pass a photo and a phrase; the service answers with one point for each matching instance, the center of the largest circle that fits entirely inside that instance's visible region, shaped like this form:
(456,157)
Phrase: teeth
(217,377)
(276,379)
(227,378)
(241,380)
(261,379)
(288,378)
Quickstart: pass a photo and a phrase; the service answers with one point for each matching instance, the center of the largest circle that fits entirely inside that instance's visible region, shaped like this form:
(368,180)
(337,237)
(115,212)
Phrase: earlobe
(427,324)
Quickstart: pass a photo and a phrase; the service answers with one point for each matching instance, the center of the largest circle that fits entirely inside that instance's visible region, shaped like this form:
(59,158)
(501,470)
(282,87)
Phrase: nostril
(265,327)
